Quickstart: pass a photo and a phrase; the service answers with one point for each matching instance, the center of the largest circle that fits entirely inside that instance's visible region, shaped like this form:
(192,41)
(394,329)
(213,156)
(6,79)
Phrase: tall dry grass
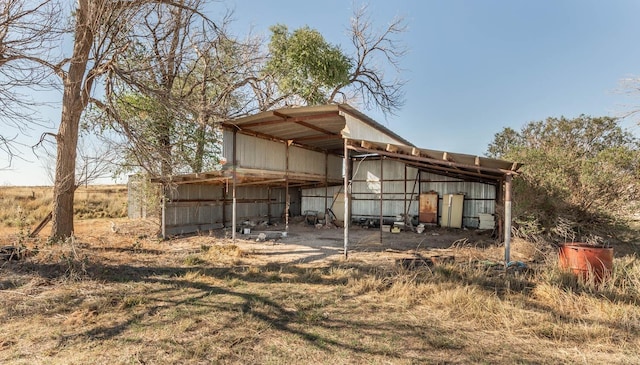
(29,205)
(130,298)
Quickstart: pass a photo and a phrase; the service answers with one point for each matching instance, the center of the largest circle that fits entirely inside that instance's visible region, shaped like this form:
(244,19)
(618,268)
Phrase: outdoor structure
(333,159)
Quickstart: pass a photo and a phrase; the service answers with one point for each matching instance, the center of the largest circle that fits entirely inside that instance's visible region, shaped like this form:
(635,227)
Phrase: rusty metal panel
(429,208)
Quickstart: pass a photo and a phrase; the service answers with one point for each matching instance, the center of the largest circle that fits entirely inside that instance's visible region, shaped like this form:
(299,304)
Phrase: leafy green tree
(305,64)
(583,172)
(302,68)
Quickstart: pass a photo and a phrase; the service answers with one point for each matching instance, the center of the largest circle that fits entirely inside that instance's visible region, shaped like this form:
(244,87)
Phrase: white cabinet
(452,207)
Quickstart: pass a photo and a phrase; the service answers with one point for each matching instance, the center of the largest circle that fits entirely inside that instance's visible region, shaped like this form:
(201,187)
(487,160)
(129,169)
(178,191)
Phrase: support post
(286,189)
(164,213)
(500,210)
(381,204)
(347,195)
(405,219)
(507,219)
(268,204)
(235,177)
(225,189)
(233,212)
(326,186)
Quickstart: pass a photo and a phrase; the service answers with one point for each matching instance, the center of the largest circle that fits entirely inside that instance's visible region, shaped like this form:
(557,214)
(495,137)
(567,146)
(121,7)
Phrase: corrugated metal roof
(318,127)
(441,162)
(321,128)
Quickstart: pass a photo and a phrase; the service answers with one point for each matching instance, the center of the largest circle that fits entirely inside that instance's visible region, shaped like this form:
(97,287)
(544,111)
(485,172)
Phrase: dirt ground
(302,244)
(308,244)
(117,294)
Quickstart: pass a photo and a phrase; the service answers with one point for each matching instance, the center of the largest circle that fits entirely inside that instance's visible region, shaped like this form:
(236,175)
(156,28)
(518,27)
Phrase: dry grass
(129,298)
(27,206)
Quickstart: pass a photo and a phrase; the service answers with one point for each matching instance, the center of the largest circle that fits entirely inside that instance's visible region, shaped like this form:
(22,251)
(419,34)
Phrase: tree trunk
(74,100)
(198,163)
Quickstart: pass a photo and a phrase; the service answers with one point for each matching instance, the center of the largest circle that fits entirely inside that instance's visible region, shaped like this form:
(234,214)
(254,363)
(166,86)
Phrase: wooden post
(347,194)
(507,219)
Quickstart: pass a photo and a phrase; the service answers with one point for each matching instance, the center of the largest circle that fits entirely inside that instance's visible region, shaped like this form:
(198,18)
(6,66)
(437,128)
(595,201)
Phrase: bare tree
(28,31)
(97,158)
(101,33)
(630,87)
(368,81)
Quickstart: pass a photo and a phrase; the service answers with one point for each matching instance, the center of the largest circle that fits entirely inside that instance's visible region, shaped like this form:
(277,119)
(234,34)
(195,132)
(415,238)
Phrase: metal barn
(333,158)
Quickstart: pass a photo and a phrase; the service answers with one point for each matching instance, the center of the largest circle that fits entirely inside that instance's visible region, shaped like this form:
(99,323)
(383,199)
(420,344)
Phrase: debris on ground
(9,253)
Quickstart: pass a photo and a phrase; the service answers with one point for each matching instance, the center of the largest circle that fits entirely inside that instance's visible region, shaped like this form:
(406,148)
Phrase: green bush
(581,177)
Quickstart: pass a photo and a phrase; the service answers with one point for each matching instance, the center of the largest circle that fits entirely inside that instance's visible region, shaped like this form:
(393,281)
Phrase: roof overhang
(317,127)
(462,166)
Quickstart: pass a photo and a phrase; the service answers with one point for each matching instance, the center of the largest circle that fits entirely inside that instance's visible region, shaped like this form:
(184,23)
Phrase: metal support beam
(286,189)
(326,186)
(381,201)
(234,207)
(164,213)
(347,195)
(268,204)
(507,219)
(405,219)
(225,190)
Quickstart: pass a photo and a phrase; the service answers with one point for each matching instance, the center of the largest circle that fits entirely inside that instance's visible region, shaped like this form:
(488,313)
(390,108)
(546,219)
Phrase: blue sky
(473,67)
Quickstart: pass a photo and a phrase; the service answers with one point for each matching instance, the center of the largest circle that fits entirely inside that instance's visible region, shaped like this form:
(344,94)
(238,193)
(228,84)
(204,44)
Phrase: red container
(587,262)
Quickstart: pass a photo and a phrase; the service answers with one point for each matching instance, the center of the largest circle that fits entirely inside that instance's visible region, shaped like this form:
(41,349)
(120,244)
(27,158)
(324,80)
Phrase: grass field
(27,206)
(129,298)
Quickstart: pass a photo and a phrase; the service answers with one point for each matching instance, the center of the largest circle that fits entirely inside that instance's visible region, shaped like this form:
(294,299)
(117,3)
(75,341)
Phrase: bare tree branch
(368,81)
(28,32)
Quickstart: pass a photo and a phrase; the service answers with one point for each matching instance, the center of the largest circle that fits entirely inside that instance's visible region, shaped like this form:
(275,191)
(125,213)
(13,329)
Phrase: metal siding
(194,216)
(427,176)
(478,197)
(335,167)
(190,217)
(227,145)
(307,161)
(258,153)
(357,129)
(314,199)
(366,194)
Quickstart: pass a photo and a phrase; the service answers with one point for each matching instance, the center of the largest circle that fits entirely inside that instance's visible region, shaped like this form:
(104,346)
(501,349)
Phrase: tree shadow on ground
(176,286)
